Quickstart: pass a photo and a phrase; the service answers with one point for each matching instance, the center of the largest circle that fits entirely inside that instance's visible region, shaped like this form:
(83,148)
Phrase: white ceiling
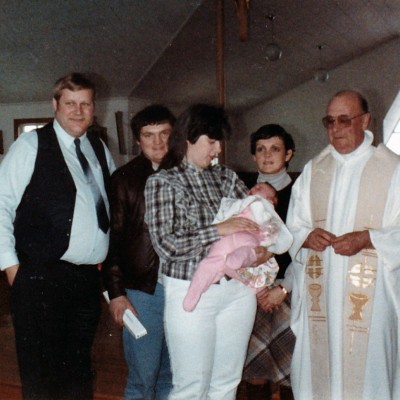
(164,50)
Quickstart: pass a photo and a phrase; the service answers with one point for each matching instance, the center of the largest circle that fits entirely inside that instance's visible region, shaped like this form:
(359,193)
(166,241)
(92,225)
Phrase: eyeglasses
(343,121)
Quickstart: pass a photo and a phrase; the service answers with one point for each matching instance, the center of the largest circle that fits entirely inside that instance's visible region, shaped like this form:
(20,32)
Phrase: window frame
(23,121)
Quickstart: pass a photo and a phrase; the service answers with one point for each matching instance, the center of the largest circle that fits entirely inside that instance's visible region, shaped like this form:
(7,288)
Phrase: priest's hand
(352,243)
(319,239)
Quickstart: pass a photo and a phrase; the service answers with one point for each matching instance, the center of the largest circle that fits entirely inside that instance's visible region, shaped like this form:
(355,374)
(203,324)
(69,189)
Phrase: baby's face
(266,191)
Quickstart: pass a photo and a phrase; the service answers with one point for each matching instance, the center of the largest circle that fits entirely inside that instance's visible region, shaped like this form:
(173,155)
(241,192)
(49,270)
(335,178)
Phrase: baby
(234,254)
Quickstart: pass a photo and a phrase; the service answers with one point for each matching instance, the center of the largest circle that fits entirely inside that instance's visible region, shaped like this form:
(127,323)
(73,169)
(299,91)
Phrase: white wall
(9,112)
(299,111)
(105,113)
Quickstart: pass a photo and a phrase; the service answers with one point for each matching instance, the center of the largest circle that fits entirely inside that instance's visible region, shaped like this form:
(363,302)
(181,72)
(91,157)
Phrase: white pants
(208,346)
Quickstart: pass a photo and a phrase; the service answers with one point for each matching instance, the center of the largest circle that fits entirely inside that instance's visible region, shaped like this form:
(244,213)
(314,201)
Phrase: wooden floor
(107,357)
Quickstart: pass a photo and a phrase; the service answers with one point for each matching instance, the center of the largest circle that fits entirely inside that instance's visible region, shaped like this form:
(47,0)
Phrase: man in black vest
(54,232)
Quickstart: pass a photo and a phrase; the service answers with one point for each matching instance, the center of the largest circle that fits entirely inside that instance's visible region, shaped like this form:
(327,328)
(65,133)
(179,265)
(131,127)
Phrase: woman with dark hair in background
(272,341)
(207,346)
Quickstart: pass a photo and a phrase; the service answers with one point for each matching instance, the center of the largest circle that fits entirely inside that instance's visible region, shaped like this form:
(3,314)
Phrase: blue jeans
(149,373)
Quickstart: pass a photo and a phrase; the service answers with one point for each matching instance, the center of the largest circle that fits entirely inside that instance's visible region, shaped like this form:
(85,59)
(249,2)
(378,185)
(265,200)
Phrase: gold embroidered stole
(322,172)
(361,271)
(361,275)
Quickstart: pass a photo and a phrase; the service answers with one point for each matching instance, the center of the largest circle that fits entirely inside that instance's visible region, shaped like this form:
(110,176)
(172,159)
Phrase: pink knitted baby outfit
(233,254)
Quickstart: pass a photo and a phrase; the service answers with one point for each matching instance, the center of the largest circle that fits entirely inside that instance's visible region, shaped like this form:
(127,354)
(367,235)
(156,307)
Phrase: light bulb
(273,52)
(321,75)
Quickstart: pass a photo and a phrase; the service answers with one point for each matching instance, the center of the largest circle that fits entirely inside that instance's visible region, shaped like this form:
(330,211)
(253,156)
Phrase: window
(391,126)
(28,124)
(394,140)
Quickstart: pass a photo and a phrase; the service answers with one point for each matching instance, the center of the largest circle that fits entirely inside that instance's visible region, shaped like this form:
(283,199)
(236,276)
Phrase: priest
(344,215)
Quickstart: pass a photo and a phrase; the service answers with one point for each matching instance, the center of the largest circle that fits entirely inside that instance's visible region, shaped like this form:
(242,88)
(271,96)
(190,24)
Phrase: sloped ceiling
(116,41)
(164,50)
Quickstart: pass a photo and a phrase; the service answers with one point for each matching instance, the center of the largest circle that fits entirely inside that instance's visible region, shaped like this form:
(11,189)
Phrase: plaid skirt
(271,346)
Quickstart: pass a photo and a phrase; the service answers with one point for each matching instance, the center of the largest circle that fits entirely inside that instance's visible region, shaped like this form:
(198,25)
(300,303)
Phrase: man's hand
(236,224)
(352,243)
(118,305)
(319,239)
(11,272)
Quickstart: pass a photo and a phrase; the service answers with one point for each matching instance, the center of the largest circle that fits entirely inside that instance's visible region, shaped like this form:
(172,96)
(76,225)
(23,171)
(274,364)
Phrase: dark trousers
(55,310)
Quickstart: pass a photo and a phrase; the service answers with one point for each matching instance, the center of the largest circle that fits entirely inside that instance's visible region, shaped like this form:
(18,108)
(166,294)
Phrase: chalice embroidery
(359,300)
(315,292)
(361,276)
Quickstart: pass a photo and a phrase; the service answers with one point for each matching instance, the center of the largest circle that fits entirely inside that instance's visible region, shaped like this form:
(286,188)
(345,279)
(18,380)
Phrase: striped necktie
(102,217)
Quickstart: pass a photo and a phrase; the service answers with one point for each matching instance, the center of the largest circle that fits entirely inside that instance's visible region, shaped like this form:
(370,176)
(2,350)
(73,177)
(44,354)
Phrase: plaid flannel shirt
(181,204)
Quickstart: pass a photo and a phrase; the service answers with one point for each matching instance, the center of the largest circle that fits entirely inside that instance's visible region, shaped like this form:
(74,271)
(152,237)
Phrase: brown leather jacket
(131,261)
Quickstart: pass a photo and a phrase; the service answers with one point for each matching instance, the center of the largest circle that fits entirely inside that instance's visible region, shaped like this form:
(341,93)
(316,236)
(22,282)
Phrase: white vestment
(382,375)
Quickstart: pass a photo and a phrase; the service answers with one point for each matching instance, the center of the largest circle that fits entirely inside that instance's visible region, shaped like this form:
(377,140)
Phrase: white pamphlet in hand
(131,322)
(133,325)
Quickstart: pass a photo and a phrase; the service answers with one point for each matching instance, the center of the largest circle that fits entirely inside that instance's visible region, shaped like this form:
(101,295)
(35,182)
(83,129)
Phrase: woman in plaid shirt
(207,346)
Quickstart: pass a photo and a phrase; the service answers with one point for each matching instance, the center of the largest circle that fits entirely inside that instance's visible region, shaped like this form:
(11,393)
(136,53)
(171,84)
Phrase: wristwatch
(284,290)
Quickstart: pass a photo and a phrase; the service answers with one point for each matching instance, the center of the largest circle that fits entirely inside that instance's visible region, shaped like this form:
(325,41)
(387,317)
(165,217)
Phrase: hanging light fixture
(273,50)
(321,74)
